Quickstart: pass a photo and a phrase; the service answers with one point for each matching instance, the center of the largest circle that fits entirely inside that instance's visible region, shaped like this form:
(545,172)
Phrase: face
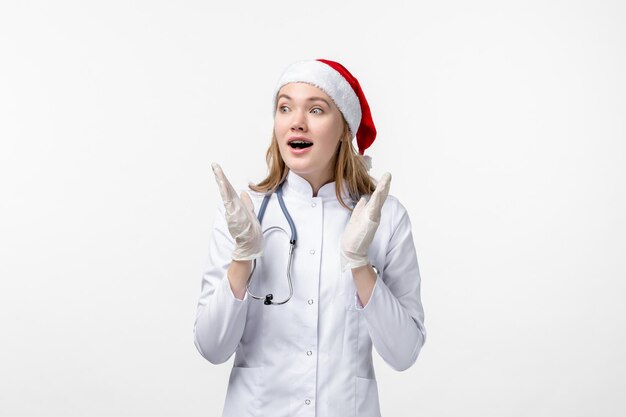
(308,127)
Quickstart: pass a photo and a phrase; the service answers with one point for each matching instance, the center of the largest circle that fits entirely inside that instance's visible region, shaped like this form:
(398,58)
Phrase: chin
(300,169)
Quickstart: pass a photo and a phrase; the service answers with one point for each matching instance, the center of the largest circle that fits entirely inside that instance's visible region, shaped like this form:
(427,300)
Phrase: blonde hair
(350,169)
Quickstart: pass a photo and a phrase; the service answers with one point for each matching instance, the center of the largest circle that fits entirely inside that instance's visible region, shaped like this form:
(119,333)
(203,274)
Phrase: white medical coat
(313,355)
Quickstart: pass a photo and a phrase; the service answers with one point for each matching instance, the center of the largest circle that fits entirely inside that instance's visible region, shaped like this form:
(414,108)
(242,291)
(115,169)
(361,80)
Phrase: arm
(394,312)
(220,315)
(236,240)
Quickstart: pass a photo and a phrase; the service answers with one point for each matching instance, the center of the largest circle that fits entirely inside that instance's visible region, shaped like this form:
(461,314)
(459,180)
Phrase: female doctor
(302,320)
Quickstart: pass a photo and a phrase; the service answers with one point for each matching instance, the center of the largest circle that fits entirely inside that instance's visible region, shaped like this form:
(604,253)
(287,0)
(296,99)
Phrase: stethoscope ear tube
(292,226)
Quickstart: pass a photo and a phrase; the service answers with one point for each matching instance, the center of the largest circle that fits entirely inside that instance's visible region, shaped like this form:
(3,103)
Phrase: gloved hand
(361,228)
(242,223)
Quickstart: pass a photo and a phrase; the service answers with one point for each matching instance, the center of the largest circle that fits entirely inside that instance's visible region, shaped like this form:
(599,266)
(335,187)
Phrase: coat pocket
(367,398)
(242,395)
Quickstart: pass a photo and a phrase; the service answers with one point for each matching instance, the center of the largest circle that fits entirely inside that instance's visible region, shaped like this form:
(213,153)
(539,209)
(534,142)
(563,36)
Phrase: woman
(311,355)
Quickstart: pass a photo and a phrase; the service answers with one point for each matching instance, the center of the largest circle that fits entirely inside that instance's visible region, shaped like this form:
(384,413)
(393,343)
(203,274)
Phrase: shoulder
(393,213)
(393,202)
(393,206)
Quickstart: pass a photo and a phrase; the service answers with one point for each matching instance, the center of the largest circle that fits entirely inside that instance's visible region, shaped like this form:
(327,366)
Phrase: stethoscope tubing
(268,298)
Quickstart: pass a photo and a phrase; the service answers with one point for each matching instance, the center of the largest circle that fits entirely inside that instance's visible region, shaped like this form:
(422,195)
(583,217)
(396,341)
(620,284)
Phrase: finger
(227,191)
(359,207)
(374,206)
(381,192)
(247,201)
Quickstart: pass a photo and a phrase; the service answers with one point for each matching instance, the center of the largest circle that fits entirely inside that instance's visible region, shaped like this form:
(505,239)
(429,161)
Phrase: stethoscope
(268,299)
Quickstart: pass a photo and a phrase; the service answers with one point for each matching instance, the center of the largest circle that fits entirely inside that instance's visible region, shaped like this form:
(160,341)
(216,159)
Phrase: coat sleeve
(394,312)
(220,316)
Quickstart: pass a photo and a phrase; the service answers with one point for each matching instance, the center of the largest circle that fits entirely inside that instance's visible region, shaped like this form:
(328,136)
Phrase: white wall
(501,122)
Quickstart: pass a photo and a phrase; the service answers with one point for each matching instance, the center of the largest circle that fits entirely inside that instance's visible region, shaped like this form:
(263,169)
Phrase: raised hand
(361,228)
(243,224)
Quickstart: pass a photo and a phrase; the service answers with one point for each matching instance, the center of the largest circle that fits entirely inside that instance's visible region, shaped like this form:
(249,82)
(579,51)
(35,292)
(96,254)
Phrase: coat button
(307,401)
(310,301)
(313,204)
(312,251)
(309,353)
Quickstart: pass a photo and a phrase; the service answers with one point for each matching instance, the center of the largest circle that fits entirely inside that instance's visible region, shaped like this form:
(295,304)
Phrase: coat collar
(295,184)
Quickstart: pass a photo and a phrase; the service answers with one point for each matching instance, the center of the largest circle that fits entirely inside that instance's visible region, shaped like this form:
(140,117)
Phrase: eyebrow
(309,99)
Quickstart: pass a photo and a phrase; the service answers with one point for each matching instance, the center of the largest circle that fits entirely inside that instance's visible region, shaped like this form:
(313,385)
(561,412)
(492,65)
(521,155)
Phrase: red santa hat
(336,81)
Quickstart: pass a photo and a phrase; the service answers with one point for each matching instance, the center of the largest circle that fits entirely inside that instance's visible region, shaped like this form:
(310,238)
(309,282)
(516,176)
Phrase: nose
(298,123)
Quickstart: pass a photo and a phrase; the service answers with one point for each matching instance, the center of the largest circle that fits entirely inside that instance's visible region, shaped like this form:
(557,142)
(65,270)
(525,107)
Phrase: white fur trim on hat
(328,80)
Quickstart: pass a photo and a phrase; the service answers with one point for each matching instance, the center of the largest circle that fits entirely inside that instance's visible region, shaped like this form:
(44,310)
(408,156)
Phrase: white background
(503,124)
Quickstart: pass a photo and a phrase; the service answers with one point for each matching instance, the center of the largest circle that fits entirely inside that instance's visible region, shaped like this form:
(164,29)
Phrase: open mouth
(300,144)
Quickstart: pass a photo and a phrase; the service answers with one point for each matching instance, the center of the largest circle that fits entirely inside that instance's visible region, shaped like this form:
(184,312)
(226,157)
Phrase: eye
(283,109)
(317,110)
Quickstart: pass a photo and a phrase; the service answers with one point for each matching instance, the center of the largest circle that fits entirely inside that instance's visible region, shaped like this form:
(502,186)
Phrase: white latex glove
(361,228)
(243,224)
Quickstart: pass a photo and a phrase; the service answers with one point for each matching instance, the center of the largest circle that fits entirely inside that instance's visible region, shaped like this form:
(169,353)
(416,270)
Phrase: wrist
(241,264)
(351,261)
(363,267)
(238,273)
